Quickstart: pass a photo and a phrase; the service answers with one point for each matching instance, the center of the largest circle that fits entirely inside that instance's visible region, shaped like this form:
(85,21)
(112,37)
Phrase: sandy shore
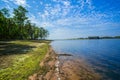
(63,67)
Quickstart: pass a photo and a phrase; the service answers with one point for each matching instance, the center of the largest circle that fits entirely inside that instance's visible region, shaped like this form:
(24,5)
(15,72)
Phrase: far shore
(83,39)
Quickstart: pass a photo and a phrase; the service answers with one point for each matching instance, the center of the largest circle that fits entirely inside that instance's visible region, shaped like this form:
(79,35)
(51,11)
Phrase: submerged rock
(65,55)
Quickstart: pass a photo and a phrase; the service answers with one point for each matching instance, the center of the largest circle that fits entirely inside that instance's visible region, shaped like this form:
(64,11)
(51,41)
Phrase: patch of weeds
(24,65)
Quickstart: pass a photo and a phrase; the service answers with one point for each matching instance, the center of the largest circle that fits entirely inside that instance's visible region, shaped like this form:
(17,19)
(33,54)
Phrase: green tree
(19,18)
(4,13)
(18,26)
(43,33)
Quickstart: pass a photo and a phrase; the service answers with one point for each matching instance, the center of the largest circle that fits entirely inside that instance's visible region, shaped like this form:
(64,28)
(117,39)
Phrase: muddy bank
(63,67)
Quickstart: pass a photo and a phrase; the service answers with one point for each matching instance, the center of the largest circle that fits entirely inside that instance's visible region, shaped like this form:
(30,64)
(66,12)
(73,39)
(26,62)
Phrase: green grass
(18,65)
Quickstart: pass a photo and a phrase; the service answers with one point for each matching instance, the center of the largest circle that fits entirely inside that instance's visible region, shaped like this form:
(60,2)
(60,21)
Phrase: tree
(5,12)
(43,33)
(19,18)
(18,26)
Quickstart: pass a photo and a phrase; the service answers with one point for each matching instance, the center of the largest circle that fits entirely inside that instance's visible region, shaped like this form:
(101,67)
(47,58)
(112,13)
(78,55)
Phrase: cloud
(63,8)
(17,2)
(67,19)
(38,22)
(89,2)
(66,3)
(58,10)
(34,19)
(20,2)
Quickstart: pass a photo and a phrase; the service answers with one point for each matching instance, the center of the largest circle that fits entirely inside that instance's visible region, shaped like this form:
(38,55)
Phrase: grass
(20,59)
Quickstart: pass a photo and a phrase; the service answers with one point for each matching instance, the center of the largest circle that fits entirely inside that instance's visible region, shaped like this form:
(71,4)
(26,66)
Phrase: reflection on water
(102,55)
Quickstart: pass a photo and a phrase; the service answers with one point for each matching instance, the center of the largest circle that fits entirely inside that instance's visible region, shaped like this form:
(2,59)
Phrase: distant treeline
(104,37)
(18,26)
(97,37)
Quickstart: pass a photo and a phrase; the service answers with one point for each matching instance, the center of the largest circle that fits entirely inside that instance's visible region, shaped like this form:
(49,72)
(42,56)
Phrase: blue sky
(72,18)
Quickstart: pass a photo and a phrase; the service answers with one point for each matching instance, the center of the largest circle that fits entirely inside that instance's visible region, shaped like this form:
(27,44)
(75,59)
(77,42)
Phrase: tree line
(97,37)
(19,26)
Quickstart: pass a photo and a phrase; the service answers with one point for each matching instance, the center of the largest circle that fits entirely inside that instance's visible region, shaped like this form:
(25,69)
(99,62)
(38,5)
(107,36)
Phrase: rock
(57,64)
(59,79)
(57,69)
(65,55)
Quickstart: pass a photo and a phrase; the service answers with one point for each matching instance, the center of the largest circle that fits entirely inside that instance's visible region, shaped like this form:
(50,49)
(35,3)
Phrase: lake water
(103,55)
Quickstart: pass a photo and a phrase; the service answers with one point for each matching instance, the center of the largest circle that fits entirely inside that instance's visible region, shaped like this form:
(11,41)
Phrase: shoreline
(48,67)
(64,67)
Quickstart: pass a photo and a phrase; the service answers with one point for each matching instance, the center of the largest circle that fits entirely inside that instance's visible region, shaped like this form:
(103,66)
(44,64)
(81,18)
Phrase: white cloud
(21,2)
(56,10)
(85,3)
(34,19)
(38,22)
(63,8)
(89,4)
(46,24)
(17,2)
(66,3)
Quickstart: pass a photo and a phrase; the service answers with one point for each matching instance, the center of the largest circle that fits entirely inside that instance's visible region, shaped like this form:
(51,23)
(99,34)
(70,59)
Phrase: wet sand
(64,67)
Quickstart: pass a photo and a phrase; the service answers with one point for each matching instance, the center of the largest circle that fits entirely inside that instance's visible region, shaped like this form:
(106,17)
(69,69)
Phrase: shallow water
(103,55)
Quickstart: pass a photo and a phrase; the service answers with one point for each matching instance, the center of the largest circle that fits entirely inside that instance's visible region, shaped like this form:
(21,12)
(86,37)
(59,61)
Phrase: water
(102,55)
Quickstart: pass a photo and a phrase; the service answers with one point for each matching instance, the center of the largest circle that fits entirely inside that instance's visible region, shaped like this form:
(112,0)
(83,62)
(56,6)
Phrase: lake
(102,54)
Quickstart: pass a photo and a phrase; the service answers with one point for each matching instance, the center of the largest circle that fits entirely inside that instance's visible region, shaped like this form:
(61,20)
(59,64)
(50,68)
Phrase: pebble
(57,64)
(57,69)
(59,79)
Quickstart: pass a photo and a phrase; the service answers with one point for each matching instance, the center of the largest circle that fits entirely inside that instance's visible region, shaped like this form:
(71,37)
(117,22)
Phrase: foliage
(18,26)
